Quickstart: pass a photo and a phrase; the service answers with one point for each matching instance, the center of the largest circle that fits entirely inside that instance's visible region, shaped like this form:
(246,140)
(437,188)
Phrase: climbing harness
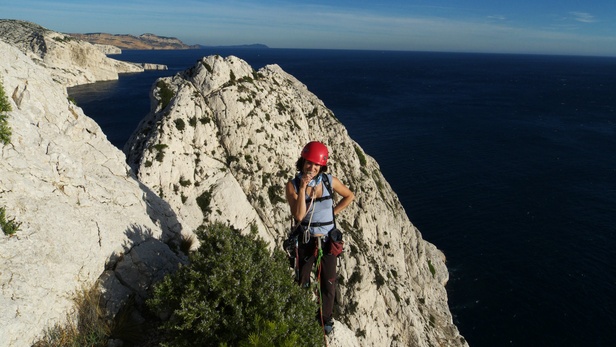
(302,230)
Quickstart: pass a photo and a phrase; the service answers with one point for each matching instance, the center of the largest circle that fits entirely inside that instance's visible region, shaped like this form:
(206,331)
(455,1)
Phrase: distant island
(146,41)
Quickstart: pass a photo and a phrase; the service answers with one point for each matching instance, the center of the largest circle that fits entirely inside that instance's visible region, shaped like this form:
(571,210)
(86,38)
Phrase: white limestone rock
(70,61)
(230,136)
(150,66)
(108,49)
(81,210)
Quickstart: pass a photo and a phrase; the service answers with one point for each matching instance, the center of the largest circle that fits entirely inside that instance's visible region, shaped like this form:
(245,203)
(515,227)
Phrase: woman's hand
(305,180)
(295,199)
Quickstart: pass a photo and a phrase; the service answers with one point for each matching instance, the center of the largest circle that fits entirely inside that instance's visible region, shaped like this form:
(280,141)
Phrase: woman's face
(311,168)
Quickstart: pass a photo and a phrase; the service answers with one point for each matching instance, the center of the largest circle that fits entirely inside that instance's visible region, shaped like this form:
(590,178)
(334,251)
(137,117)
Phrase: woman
(313,207)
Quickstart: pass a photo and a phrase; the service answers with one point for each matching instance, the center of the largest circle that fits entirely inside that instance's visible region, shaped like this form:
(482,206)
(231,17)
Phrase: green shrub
(184,182)
(361,156)
(160,146)
(203,201)
(272,193)
(233,292)
(165,93)
(160,154)
(207,66)
(64,39)
(8,226)
(5,106)
(432,269)
(179,124)
(5,130)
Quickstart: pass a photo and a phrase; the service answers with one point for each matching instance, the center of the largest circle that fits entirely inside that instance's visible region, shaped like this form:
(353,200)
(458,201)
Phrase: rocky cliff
(108,49)
(219,130)
(81,209)
(70,62)
(84,217)
(144,41)
(223,130)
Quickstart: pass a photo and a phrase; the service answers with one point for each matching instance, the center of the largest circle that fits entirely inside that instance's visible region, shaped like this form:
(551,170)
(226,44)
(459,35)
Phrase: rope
(318,268)
(307,232)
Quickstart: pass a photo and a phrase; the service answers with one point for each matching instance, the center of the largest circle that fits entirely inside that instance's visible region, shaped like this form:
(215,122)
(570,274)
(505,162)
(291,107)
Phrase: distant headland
(147,41)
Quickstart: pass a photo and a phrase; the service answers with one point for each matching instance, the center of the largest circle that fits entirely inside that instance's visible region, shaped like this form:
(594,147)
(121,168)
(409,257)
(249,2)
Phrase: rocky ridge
(84,217)
(108,49)
(71,62)
(228,132)
(233,134)
(144,41)
(83,214)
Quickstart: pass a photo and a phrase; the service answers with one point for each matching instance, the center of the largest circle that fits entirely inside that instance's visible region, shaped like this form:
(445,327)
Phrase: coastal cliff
(82,215)
(143,41)
(221,129)
(70,62)
(234,134)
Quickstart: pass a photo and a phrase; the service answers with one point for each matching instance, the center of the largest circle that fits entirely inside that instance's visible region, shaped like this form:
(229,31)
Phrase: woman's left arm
(345,192)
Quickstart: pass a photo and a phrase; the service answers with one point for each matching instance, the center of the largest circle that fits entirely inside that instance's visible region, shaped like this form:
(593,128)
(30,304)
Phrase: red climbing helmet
(316,152)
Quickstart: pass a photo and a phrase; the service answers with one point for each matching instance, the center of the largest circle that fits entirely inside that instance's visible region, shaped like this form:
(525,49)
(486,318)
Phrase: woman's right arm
(297,200)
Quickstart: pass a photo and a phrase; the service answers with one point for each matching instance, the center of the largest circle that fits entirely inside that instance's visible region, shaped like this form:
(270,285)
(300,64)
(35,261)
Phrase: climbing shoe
(328,326)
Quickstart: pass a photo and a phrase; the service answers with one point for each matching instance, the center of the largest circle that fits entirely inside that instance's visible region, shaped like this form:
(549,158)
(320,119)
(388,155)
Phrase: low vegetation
(180,124)
(361,156)
(5,106)
(8,225)
(160,151)
(235,293)
(164,93)
(89,326)
(203,201)
(273,194)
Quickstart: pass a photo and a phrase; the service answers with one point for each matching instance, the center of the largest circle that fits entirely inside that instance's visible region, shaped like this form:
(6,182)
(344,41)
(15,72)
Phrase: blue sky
(578,27)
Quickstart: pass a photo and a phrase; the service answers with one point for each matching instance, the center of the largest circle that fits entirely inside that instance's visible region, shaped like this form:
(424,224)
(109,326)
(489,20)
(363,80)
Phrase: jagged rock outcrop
(83,214)
(144,41)
(71,62)
(220,143)
(108,49)
(150,66)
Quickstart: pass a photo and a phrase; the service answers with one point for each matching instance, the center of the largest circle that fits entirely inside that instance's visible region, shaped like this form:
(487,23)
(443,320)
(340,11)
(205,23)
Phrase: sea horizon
(267,47)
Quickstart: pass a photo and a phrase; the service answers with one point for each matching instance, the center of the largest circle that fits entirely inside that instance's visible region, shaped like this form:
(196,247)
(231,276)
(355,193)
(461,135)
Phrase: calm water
(504,162)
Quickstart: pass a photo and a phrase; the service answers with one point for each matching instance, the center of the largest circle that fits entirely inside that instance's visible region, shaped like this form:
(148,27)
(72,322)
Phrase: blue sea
(507,163)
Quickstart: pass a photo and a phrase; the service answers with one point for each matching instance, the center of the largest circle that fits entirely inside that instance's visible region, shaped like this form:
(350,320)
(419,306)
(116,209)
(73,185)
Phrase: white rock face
(230,136)
(108,49)
(83,213)
(70,62)
(150,66)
